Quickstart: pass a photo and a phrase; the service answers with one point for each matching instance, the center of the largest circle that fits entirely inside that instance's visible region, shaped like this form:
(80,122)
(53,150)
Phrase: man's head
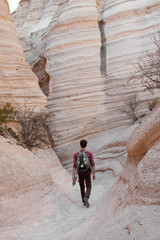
(83,143)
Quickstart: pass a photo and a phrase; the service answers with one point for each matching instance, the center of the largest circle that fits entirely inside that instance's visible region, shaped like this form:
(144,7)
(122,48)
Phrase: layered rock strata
(68,37)
(127,28)
(88,47)
(18,83)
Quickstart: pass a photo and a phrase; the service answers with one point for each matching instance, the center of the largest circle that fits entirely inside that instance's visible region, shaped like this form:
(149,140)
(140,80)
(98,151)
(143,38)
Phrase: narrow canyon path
(71,215)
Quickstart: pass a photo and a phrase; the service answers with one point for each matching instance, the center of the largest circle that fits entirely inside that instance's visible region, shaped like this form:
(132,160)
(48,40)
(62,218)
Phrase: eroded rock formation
(88,47)
(67,35)
(36,192)
(44,78)
(17,81)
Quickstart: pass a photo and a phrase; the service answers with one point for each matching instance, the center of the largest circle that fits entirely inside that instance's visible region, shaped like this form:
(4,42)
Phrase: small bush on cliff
(7,113)
(32,131)
(148,68)
(129,109)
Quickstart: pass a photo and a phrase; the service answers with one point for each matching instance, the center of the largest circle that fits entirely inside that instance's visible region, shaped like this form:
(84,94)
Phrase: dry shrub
(148,68)
(130,107)
(32,131)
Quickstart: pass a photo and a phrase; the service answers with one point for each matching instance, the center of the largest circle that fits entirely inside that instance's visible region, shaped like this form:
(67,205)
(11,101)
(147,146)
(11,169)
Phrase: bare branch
(131,104)
(32,131)
(148,69)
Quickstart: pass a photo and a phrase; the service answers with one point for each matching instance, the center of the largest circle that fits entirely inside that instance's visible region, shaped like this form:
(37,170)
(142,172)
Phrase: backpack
(83,163)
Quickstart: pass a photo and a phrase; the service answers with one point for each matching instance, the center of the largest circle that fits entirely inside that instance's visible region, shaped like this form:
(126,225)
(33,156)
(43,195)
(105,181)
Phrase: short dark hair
(83,143)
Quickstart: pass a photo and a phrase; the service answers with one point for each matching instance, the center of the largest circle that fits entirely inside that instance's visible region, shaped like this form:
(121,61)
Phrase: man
(84,176)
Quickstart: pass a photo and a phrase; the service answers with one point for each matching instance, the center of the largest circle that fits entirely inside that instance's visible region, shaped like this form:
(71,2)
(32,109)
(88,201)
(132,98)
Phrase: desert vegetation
(7,113)
(147,70)
(31,131)
(32,128)
(131,104)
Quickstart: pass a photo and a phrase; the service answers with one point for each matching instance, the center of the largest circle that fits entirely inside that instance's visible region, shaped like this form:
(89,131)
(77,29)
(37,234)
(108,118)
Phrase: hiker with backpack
(84,165)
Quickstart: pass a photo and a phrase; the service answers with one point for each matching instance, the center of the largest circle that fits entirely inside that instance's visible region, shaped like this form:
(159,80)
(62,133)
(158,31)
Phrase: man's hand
(94,176)
(73,174)
(73,178)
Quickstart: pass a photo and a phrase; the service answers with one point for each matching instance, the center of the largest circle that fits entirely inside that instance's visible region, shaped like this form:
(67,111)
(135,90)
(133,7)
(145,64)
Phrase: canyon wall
(86,49)
(127,30)
(36,197)
(17,81)
(33,186)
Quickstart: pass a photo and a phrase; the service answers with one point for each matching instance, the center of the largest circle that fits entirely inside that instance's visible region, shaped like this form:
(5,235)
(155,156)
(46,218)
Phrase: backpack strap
(88,160)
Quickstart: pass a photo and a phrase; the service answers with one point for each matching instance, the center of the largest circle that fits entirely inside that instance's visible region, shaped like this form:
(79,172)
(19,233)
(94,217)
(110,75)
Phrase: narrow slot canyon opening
(103,48)
(44,78)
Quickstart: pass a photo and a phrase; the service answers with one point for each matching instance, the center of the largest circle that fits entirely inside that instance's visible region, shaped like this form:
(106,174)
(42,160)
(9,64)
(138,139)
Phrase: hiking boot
(86,203)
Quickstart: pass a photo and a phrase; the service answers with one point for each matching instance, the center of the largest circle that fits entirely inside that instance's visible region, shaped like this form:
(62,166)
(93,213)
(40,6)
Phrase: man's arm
(73,173)
(74,165)
(93,165)
(93,171)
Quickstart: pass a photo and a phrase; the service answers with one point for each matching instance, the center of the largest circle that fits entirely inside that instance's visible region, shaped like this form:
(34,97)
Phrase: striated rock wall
(127,28)
(17,81)
(88,47)
(67,36)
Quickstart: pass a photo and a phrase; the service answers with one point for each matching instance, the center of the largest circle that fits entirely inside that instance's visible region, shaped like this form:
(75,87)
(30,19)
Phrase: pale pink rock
(18,83)
(88,47)
(32,188)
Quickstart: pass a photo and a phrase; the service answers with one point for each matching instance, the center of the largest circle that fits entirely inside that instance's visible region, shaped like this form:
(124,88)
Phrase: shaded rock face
(88,47)
(17,81)
(43,76)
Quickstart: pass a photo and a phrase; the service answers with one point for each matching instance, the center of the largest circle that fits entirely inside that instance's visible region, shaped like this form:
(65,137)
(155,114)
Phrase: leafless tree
(32,131)
(148,69)
(129,109)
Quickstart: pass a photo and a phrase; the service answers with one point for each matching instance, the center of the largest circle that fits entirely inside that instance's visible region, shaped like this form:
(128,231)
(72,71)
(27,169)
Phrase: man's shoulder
(89,153)
(76,154)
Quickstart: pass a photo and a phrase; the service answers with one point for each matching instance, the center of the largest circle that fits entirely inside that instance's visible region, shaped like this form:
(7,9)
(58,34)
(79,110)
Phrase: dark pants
(85,182)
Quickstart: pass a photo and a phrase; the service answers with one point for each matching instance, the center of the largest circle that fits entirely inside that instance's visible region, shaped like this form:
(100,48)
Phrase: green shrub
(7,113)
(3,130)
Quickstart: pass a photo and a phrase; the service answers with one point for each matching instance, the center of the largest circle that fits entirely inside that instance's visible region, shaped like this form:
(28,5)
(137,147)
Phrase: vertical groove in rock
(103,49)
(39,69)
(101,24)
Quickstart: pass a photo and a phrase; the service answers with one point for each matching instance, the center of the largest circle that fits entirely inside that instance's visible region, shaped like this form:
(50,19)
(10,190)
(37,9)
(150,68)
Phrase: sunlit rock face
(17,81)
(88,47)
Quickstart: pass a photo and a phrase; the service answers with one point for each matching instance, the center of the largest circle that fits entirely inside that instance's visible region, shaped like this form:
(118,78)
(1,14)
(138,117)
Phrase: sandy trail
(70,215)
